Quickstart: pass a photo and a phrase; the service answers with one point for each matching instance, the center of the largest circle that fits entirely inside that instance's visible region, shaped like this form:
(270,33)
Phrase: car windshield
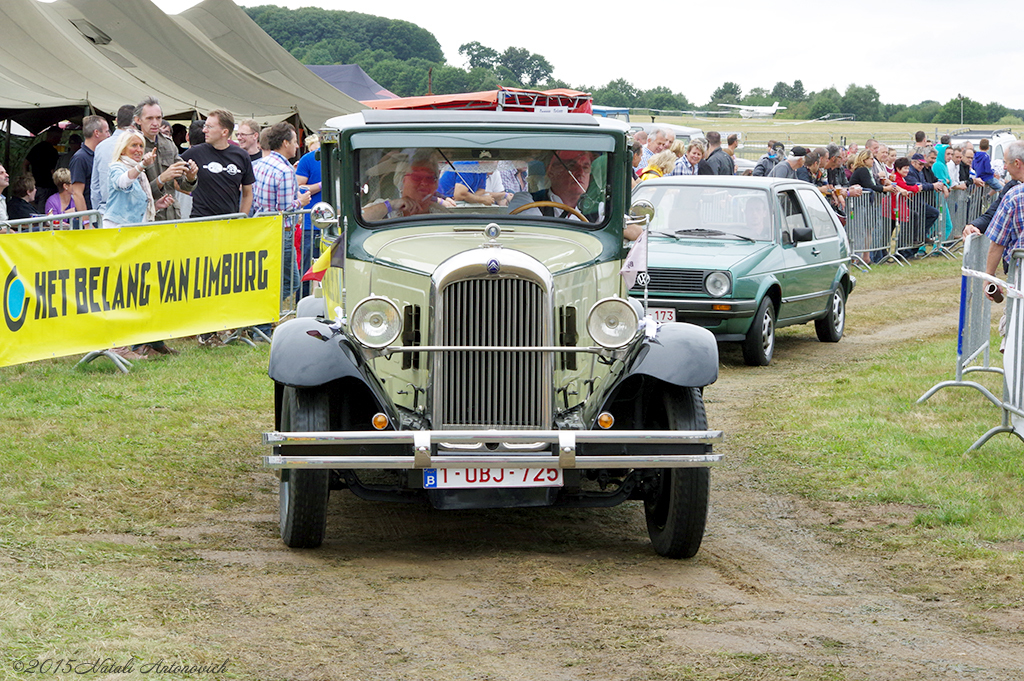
(702,211)
(423,182)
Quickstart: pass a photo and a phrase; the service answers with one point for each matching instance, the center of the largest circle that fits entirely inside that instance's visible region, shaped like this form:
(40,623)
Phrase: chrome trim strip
(807,296)
(490,461)
(430,437)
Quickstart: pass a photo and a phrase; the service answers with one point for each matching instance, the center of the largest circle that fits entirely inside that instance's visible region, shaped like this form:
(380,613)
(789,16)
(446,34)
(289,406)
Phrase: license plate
(469,478)
(662,314)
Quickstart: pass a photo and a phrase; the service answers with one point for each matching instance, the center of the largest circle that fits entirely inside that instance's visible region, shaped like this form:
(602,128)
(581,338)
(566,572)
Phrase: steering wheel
(549,204)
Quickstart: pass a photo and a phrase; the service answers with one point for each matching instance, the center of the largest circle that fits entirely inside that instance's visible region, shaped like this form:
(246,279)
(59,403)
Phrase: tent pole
(7,145)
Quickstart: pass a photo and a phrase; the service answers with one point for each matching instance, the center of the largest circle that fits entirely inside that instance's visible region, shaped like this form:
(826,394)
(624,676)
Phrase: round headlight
(717,284)
(375,322)
(612,322)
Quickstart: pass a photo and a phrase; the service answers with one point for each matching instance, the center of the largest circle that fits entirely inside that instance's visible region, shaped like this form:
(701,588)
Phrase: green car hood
(706,253)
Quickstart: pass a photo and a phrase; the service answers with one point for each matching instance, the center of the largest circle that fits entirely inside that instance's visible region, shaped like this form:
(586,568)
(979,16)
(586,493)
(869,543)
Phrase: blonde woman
(131,200)
(62,201)
(659,165)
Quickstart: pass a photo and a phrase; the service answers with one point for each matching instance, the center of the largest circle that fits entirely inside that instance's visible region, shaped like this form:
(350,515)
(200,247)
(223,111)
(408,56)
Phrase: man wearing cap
(791,165)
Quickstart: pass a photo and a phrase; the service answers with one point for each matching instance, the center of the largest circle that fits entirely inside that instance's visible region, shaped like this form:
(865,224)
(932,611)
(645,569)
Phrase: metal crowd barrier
(299,248)
(887,227)
(869,226)
(975,330)
(975,325)
(46,223)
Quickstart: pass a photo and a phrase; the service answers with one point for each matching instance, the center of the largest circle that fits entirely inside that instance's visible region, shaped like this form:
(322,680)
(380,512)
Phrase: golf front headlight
(717,284)
(375,322)
(612,322)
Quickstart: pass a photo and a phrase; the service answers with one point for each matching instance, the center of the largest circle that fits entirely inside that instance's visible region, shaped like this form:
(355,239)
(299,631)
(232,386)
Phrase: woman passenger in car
(418,193)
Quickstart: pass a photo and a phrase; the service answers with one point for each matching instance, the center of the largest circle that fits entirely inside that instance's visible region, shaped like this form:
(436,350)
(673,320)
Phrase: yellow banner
(70,292)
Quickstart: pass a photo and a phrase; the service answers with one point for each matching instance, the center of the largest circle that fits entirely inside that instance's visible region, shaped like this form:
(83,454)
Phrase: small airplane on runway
(755,111)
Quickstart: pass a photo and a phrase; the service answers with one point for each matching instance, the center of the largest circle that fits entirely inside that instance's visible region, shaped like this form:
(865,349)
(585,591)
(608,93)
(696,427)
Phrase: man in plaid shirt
(1006,231)
(276,190)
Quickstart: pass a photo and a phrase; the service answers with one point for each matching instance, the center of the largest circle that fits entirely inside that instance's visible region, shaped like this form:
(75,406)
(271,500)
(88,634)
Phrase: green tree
(824,103)
(619,92)
(311,25)
(973,113)
(994,111)
(782,92)
(663,99)
(479,56)
(728,92)
(861,102)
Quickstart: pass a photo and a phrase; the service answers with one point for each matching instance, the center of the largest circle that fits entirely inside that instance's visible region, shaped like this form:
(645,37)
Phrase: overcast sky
(908,51)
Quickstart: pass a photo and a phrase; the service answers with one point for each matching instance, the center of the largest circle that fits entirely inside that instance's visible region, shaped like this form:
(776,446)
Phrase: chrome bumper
(420,449)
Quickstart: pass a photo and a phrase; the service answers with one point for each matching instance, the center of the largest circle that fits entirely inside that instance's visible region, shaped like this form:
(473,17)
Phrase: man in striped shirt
(276,191)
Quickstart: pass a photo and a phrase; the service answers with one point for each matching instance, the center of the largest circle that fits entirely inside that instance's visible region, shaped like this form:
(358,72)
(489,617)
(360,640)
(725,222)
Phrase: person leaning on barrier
(863,175)
(1006,231)
(1013,161)
(23,193)
(62,201)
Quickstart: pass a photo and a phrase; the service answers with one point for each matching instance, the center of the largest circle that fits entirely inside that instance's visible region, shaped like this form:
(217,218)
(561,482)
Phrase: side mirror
(323,216)
(642,211)
(802,234)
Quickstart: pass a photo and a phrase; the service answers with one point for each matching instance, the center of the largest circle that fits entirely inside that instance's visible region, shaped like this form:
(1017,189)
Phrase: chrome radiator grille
(480,389)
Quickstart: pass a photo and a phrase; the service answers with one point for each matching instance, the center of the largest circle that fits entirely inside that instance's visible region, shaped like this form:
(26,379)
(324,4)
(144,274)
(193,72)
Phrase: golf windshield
(701,211)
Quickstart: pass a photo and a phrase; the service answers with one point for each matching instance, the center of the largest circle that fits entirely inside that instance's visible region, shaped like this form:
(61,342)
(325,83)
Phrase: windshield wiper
(710,232)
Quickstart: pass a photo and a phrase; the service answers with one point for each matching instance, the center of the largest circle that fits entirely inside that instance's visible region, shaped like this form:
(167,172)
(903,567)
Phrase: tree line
(407,60)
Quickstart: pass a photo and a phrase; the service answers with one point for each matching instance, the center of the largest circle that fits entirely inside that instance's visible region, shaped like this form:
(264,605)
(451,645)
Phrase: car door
(808,279)
(826,242)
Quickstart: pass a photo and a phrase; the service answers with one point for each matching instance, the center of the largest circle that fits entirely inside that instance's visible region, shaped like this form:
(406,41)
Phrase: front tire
(303,493)
(676,506)
(759,345)
(830,327)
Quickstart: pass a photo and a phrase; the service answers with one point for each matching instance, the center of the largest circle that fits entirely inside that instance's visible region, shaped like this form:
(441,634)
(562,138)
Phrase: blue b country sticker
(15,301)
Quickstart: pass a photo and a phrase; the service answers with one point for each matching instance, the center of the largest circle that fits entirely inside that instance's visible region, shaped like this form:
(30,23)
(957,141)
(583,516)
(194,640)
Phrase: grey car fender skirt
(681,354)
(306,352)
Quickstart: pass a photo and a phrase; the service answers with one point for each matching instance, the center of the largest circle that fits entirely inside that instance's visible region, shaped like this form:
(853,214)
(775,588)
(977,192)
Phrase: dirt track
(403,592)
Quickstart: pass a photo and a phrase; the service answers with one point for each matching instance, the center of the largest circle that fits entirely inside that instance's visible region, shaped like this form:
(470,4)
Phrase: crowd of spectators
(147,170)
(839,172)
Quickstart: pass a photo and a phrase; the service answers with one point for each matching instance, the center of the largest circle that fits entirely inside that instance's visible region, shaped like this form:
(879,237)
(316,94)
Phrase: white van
(997,142)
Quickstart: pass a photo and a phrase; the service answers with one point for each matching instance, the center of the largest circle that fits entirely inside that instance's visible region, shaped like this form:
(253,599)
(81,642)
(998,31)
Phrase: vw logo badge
(643,279)
(493,266)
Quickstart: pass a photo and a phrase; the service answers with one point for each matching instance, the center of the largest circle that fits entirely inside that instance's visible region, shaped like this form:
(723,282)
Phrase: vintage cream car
(473,345)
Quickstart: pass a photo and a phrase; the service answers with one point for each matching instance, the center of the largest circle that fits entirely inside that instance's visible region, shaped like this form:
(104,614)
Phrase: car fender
(310,306)
(681,354)
(306,352)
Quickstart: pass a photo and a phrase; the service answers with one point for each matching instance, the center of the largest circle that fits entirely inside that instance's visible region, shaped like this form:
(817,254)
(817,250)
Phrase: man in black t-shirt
(225,171)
